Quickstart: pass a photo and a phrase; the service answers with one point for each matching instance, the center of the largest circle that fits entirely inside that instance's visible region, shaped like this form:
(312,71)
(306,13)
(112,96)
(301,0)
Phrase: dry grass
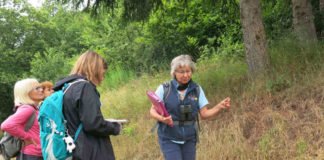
(260,125)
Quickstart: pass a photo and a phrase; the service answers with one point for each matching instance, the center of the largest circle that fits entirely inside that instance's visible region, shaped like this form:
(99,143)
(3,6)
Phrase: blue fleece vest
(172,102)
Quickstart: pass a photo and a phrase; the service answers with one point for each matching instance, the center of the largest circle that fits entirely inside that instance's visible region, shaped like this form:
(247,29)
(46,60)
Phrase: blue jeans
(175,151)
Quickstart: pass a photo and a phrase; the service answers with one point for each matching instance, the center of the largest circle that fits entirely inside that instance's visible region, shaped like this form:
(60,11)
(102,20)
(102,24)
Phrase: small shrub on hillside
(129,130)
(301,147)
(278,84)
(265,144)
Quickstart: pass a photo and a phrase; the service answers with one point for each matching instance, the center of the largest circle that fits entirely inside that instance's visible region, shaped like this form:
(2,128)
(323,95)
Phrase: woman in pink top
(27,93)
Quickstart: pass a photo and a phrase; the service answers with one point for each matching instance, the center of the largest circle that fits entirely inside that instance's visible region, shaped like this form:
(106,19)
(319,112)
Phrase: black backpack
(10,146)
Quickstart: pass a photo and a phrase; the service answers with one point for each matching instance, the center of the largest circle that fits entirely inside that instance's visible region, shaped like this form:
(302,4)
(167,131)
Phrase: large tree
(134,10)
(40,32)
(141,9)
(254,37)
(303,20)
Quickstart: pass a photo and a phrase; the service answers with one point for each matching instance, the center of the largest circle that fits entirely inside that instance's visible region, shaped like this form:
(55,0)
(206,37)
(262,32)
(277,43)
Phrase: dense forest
(143,36)
(138,38)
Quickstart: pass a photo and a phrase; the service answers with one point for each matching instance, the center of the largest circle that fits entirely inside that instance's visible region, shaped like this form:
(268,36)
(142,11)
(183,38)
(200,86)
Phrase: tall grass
(292,62)
(280,117)
(116,77)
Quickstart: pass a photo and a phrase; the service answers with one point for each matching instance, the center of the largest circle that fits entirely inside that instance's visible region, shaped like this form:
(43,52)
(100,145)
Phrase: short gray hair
(180,61)
(22,89)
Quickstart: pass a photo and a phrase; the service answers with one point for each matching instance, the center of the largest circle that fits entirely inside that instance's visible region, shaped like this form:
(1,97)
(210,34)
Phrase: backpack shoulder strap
(68,85)
(77,132)
(197,91)
(30,121)
(197,125)
(64,89)
(166,89)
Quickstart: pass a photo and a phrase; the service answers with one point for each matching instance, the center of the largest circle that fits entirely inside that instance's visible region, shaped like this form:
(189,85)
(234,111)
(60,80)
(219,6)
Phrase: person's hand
(120,127)
(225,104)
(28,142)
(167,120)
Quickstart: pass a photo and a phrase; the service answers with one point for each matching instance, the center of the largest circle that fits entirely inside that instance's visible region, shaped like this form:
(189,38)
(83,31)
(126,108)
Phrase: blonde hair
(180,61)
(90,64)
(47,84)
(22,89)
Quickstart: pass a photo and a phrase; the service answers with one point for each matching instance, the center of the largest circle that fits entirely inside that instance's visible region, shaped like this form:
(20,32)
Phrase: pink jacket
(14,125)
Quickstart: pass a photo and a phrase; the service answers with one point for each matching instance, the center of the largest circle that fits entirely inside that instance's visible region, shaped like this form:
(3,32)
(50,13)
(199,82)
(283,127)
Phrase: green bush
(50,65)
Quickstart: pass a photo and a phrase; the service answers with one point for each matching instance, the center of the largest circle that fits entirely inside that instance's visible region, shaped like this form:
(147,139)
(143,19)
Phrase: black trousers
(23,156)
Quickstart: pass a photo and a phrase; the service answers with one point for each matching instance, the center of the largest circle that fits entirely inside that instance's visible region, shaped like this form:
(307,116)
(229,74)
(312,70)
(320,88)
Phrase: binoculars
(185,111)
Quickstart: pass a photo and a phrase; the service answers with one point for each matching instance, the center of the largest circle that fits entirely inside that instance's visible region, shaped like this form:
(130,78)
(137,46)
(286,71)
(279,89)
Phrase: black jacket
(82,105)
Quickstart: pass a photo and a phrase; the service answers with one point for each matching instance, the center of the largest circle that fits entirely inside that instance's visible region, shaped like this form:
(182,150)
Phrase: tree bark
(303,20)
(321,5)
(254,37)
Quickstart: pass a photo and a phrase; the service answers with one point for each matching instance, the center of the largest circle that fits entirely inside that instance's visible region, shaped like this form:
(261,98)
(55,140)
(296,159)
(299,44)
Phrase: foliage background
(44,42)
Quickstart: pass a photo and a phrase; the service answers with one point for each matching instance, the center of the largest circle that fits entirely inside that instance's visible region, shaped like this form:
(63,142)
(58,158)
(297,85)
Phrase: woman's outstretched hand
(225,104)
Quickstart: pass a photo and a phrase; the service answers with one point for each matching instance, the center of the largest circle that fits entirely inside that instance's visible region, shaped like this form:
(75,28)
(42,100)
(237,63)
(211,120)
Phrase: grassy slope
(278,118)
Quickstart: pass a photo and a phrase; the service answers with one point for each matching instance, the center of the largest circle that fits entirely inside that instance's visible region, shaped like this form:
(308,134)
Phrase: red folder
(157,103)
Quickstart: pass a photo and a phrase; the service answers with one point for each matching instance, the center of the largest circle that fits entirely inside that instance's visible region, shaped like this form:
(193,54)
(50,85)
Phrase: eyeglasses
(183,72)
(38,88)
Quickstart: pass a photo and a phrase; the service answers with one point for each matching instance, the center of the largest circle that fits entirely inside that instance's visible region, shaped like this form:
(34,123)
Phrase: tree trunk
(303,20)
(321,5)
(254,37)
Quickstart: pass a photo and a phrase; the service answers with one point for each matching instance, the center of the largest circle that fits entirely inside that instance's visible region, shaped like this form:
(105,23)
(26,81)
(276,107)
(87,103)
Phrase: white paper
(117,120)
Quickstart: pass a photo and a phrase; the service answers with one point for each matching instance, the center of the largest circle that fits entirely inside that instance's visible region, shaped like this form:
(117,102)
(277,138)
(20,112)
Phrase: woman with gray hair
(184,100)
(27,93)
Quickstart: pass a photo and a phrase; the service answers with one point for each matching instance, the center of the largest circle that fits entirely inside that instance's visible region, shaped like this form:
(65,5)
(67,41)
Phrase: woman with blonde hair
(27,95)
(81,105)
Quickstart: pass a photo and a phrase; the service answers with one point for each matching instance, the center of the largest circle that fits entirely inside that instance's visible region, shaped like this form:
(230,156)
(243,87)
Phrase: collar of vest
(191,84)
